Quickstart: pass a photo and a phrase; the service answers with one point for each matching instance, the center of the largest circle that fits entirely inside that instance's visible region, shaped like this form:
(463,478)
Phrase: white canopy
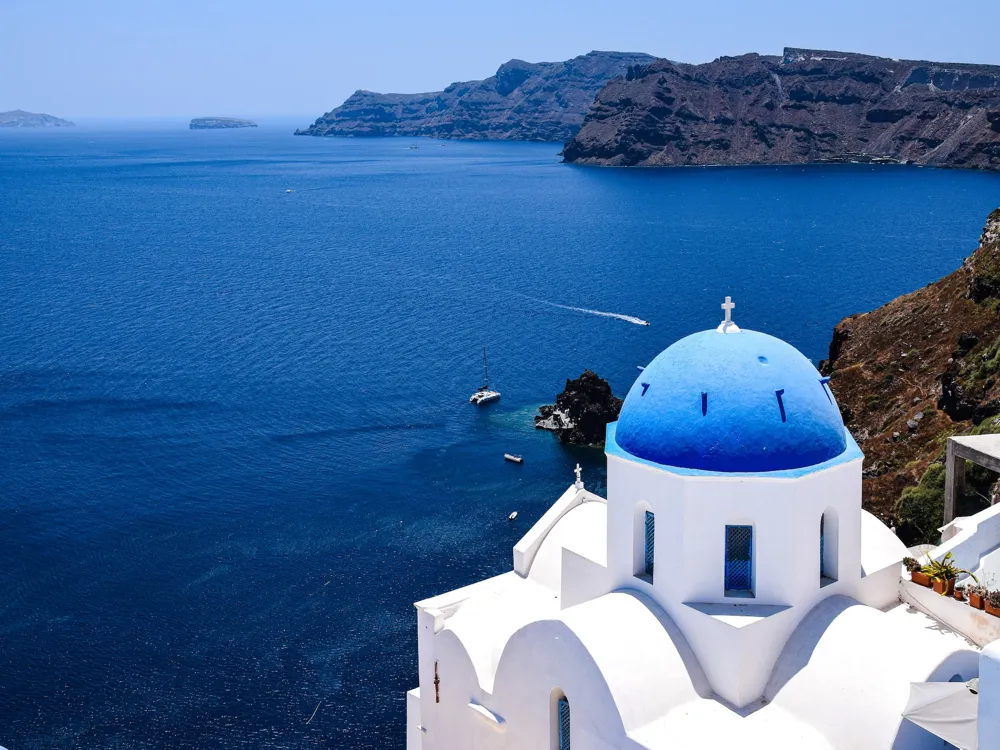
(946,709)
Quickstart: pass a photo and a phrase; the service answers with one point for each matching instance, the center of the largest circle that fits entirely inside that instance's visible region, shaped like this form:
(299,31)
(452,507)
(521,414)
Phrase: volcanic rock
(582,411)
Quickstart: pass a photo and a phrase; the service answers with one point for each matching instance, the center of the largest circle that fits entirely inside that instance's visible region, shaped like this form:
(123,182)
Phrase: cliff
(523,101)
(216,123)
(18,118)
(582,411)
(807,106)
(911,373)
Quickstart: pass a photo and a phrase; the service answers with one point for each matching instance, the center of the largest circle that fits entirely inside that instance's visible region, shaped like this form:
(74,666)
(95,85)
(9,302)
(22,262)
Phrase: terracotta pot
(995,611)
(976,601)
(945,587)
(920,578)
(960,594)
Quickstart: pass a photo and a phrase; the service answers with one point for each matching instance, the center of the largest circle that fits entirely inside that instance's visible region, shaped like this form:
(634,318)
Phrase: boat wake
(627,318)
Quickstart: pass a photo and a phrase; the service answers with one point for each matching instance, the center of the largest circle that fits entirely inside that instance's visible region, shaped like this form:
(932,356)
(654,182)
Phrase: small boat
(513,458)
(414,146)
(484,394)
(289,190)
(512,516)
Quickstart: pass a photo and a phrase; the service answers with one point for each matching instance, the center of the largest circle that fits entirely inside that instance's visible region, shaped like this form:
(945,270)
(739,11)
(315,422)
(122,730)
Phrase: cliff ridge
(806,106)
(915,371)
(523,101)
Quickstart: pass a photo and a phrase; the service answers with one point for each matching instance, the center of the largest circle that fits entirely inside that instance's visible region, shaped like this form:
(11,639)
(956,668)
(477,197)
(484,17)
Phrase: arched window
(828,547)
(559,709)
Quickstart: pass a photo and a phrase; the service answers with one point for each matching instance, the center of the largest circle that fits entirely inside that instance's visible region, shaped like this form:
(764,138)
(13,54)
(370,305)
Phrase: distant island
(524,101)
(807,106)
(215,123)
(18,118)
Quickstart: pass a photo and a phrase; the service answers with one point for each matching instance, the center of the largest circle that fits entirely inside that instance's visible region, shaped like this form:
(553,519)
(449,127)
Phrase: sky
(191,58)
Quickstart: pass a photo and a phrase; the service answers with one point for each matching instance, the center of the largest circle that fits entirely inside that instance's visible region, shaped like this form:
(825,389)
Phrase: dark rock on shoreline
(18,118)
(523,101)
(216,123)
(582,411)
(913,372)
(807,106)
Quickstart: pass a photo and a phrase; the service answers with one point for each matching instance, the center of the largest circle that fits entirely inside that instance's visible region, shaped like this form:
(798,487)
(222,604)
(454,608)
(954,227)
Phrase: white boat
(513,458)
(512,516)
(484,394)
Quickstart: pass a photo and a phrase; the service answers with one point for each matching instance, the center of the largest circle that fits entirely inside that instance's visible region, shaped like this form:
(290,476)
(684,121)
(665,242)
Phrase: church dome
(736,401)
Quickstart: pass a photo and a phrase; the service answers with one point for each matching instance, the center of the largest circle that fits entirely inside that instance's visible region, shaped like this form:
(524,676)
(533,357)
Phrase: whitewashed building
(730,592)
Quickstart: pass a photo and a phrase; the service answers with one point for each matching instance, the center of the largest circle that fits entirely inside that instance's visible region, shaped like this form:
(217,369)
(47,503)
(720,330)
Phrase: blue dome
(731,402)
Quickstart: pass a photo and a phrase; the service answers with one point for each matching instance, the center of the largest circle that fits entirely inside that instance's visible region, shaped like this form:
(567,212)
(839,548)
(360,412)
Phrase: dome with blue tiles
(731,401)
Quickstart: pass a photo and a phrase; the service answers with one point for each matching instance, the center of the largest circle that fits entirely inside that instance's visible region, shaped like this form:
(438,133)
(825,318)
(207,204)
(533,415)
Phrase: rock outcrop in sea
(217,123)
(913,372)
(524,101)
(807,106)
(582,411)
(18,118)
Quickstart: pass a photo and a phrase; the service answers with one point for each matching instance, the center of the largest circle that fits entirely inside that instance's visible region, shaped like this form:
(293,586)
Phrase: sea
(235,437)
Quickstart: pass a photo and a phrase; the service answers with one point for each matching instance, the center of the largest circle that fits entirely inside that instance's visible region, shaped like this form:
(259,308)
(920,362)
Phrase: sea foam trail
(627,318)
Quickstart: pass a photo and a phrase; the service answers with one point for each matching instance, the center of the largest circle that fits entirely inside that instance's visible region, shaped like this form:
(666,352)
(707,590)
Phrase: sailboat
(484,395)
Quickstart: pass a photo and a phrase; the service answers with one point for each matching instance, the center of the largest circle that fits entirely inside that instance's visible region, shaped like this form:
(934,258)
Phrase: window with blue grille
(739,560)
(822,545)
(650,533)
(563,724)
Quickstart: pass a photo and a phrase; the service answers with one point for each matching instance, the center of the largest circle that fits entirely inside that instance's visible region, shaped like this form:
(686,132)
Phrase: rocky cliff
(806,106)
(582,411)
(911,373)
(18,118)
(523,101)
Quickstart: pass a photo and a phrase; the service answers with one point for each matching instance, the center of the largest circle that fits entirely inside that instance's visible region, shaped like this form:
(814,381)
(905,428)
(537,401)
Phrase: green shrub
(922,507)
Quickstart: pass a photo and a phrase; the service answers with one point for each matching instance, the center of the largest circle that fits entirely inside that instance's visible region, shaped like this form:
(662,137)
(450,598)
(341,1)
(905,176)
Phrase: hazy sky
(186,58)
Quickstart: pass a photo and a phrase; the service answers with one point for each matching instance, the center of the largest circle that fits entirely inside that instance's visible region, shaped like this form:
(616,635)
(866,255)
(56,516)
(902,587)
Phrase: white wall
(989,697)
(414,734)
(976,536)
(975,624)
(736,650)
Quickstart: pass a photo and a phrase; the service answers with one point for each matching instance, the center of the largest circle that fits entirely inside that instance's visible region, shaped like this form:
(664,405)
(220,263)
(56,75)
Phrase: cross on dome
(579,482)
(727,325)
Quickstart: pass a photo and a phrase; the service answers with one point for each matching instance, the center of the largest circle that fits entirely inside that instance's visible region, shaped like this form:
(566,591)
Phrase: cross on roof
(728,306)
(578,471)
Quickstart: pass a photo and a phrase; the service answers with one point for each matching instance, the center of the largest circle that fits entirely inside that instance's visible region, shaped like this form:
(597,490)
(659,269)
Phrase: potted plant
(916,574)
(977,595)
(993,603)
(943,574)
(960,592)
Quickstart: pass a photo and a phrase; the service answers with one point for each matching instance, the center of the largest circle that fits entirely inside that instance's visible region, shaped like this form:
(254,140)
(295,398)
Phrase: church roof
(731,401)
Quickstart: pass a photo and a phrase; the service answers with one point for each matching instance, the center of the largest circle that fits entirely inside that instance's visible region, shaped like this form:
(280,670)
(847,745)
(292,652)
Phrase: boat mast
(486,372)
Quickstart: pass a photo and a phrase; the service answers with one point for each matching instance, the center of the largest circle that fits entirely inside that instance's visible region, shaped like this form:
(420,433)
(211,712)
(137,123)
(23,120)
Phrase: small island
(18,118)
(216,123)
(582,411)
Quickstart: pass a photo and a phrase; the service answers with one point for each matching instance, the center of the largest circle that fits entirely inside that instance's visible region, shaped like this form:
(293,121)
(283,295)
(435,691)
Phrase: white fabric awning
(946,709)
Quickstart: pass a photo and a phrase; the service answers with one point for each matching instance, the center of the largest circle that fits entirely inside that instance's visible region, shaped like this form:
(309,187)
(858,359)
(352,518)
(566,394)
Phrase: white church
(730,592)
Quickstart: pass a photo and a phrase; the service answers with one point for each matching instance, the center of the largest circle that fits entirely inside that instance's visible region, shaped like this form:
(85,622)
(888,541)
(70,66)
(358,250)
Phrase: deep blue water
(235,443)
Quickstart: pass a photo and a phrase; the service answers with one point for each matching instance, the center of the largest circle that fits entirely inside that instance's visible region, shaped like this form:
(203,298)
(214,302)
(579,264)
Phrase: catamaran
(484,395)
